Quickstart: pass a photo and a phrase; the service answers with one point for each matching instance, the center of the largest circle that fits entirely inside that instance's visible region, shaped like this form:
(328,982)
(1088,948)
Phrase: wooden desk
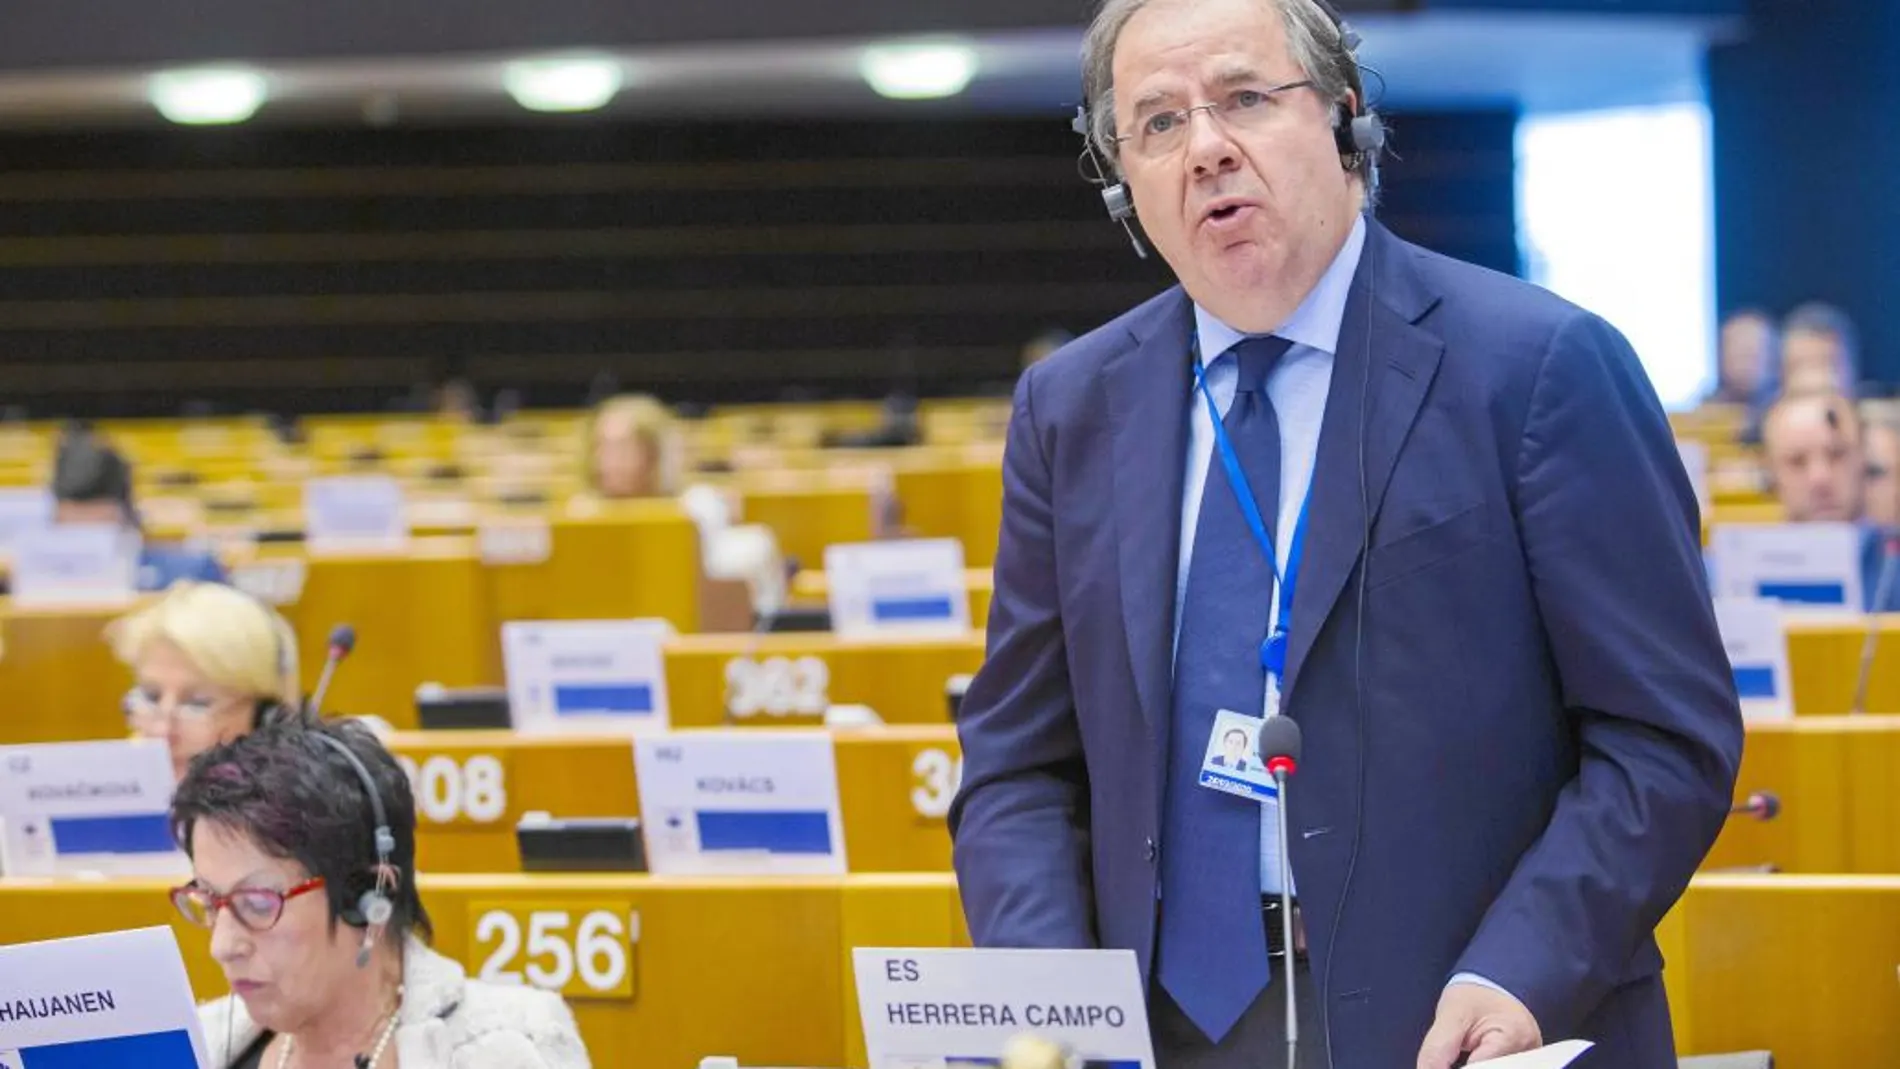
(1803,966)
(761,971)
(472,787)
(1824,664)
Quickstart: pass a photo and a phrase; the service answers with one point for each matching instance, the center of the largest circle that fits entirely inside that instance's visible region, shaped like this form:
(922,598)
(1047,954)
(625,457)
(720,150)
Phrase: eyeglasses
(1247,109)
(256,908)
(141,706)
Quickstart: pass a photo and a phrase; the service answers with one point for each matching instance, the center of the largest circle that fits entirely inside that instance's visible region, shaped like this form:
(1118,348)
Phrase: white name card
(71,807)
(21,510)
(354,513)
(586,675)
(74,565)
(940,1009)
(119,998)
(740,803)
(1695,461)
(907,587)
(1806,565)
(515,540)
(1757,645)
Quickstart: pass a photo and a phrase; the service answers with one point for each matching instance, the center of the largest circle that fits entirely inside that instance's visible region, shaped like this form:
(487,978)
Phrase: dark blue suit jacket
(1521,732)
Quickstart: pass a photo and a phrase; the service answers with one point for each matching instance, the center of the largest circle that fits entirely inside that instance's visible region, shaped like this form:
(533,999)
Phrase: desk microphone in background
(1761,805)
(1280,752)
(342,643)
(1889,565)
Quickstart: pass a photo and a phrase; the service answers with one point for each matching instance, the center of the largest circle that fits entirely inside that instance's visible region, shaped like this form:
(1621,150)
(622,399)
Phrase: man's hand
(1485,1022)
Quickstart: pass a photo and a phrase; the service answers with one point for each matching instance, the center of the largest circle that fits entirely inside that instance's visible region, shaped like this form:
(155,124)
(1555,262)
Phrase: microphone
(1280,752)
(1870,641)
(1762,805)
(342,643)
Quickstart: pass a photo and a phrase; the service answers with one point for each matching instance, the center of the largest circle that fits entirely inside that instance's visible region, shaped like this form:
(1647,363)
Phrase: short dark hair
(86,469)
(296,797)
(1231,732)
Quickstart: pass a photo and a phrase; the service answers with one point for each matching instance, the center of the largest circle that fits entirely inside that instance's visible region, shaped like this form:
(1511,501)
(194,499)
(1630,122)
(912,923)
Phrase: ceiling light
(563,84)
(208,95)
(918,71)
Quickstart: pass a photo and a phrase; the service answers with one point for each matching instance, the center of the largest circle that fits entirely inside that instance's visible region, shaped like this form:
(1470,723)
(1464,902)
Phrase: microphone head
(1279,740)
(1765,805)
(342,640)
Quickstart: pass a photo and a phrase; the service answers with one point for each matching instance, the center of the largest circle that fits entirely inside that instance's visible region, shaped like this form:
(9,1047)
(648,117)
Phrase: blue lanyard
(1273,650)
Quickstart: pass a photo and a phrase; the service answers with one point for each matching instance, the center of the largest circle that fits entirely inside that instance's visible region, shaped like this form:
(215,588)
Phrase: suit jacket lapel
(1147,387)
(1384,355)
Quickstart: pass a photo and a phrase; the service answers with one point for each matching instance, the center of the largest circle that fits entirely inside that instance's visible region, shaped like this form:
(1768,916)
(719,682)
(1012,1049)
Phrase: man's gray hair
(1312,37)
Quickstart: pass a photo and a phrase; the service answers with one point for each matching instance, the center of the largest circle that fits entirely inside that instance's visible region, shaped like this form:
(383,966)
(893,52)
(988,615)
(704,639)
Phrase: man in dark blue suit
(1521,730)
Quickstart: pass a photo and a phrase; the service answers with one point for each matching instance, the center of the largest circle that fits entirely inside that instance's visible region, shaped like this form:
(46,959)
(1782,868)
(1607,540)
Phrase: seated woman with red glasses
(315,919)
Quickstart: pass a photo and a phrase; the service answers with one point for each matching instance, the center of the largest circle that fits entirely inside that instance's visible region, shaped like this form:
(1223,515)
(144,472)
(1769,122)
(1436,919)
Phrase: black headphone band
(385,839)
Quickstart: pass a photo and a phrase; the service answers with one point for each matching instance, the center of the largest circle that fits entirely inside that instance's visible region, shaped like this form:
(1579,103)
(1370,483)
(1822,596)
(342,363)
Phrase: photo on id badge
(1232,762)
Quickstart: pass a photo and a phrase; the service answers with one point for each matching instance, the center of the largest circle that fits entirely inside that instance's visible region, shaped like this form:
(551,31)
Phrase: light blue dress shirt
(1297,386)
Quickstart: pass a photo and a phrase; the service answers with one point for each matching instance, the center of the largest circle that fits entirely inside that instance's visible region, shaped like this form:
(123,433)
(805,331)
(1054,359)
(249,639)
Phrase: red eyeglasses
(256,908)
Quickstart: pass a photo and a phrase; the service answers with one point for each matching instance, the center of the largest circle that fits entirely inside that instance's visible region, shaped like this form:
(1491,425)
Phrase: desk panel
(634,560)
(420,616)
(59,677)
(1802,762)
(472,787)
(1803,966)
(1824,665)
(759,680)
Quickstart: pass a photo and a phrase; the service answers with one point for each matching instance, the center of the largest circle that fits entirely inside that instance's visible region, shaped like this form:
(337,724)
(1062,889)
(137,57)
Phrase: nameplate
(76,807)
(21,510)
(119,998)
(75,565)
(586,675)
(906,587)
(756,802)
(355,514)
(1811,566)
(1695,462)
(945,1009)
(1757,643)
(515,540)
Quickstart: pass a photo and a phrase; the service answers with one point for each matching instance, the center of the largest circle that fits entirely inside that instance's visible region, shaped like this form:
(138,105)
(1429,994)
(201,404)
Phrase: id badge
(1232,762)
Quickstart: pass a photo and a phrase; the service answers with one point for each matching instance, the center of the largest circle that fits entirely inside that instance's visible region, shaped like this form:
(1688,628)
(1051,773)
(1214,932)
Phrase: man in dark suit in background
(1521,730)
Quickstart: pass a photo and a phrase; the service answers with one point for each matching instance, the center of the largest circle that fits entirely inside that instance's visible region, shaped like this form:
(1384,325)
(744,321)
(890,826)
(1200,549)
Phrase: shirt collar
(1314,324)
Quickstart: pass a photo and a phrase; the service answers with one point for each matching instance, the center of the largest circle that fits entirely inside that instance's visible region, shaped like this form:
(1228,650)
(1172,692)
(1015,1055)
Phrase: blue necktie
(1212,957)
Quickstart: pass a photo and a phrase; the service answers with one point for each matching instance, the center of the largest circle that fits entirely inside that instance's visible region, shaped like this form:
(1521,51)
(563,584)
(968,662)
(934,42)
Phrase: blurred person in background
(1746,356)
(1880,443)
(631,448)
(1819,351)
(210,663)
(280,829)
(92,484)
(1811,446)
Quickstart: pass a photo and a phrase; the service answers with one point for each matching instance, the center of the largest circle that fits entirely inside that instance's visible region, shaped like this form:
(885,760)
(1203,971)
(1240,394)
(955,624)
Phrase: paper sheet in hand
(1555,1056)
(119,999)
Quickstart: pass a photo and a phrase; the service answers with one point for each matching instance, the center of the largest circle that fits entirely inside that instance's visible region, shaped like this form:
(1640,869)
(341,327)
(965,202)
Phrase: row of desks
(761,970)
(435,617)
(1834,776)
(472,788)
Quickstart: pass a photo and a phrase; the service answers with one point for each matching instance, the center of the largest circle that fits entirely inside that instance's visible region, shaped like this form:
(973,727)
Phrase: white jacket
(447,1021)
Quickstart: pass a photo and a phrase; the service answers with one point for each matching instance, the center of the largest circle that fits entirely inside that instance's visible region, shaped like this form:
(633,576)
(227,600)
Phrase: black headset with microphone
(1359,132)
(376,906)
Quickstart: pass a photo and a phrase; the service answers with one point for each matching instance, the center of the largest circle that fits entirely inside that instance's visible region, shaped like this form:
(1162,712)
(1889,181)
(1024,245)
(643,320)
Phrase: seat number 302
(577,950)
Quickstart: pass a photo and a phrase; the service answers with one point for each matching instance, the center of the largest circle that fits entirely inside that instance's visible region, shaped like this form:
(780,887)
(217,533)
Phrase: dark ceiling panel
(116,33)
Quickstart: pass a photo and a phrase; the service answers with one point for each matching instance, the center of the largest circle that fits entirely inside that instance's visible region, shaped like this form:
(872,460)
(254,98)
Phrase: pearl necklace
(376,1052)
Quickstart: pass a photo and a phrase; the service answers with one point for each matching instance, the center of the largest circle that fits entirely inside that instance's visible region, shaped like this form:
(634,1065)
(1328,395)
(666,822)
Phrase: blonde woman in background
(208,661)
(632,448)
